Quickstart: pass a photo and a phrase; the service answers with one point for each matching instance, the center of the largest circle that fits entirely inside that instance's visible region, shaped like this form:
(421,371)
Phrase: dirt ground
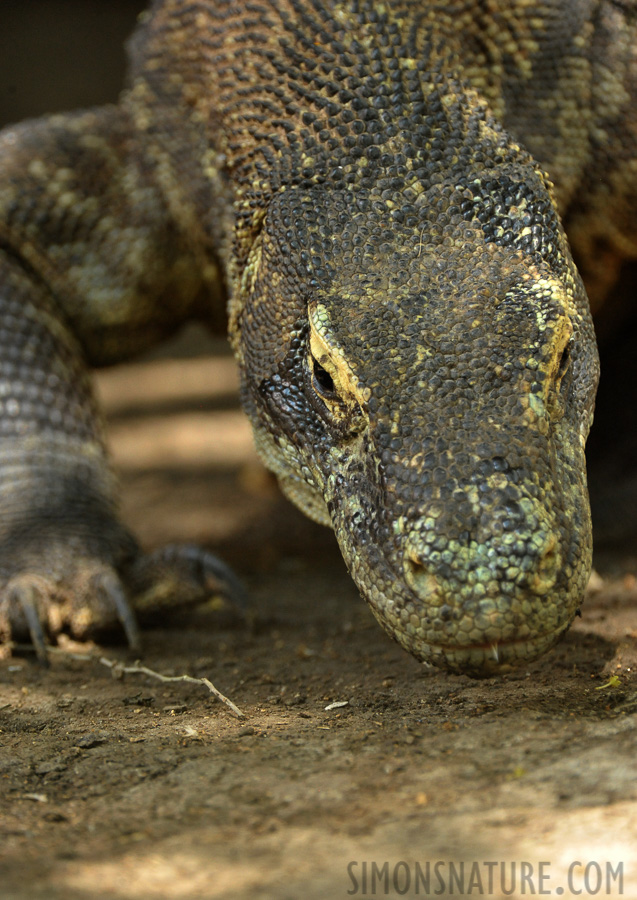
(355,770)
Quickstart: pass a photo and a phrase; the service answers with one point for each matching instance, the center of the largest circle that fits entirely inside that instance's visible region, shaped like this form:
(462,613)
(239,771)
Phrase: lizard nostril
(547,568)
(419,579)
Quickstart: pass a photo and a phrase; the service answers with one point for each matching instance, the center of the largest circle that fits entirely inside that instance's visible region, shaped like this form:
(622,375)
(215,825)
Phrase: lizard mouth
(483,659)
(478,608)
(473,635)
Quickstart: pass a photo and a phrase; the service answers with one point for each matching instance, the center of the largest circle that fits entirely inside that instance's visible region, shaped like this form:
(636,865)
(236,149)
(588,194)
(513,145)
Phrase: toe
(26,599)
(108,588)
(179,575)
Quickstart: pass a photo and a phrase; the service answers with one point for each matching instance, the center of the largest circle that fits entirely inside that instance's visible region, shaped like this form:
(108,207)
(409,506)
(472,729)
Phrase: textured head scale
(433,378)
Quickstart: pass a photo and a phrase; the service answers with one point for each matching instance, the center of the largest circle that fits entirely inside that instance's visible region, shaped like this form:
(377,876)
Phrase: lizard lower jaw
(480,620)
(477,608)
(477,636)
(486,659)
(467,630)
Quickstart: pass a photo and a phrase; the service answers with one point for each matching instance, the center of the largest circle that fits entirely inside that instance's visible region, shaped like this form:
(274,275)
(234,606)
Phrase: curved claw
(183,574)
(108,585)
(25,592)
(207,564)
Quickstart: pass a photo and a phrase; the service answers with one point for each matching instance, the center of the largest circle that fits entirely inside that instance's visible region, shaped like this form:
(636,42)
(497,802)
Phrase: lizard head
(422,378)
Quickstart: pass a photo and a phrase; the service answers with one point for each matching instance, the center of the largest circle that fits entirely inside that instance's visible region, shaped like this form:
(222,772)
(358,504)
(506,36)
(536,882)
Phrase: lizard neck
(292,95)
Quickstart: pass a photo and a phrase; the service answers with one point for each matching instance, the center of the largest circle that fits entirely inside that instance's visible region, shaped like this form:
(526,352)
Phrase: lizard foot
(181,575)
(86,596)
(40,607)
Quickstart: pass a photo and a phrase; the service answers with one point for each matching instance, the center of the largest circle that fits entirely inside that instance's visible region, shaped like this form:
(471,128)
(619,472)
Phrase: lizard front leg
(93,268)
(61,544)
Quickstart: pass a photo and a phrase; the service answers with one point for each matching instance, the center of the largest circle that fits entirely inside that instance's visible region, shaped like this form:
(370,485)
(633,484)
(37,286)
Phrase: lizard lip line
(488,646)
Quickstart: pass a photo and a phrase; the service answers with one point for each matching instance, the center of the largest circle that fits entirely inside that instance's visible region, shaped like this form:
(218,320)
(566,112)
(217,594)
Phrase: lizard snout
(479,596)
(497,565)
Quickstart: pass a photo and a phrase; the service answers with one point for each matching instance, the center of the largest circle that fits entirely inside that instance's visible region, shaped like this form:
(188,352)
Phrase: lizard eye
(332,401)
(322,381)
(563,377)
(565,362)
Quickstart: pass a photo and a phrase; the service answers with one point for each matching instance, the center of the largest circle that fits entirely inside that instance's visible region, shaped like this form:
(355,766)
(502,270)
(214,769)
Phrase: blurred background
(62,54)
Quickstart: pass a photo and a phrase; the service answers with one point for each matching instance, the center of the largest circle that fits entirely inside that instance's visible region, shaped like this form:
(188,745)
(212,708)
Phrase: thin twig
(138,669)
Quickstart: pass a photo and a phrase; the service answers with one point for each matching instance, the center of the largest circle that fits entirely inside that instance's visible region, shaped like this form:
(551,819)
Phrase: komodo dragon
(365,181)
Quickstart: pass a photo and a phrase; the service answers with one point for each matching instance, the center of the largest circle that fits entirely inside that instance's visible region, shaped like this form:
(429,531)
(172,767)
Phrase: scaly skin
(415,343)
